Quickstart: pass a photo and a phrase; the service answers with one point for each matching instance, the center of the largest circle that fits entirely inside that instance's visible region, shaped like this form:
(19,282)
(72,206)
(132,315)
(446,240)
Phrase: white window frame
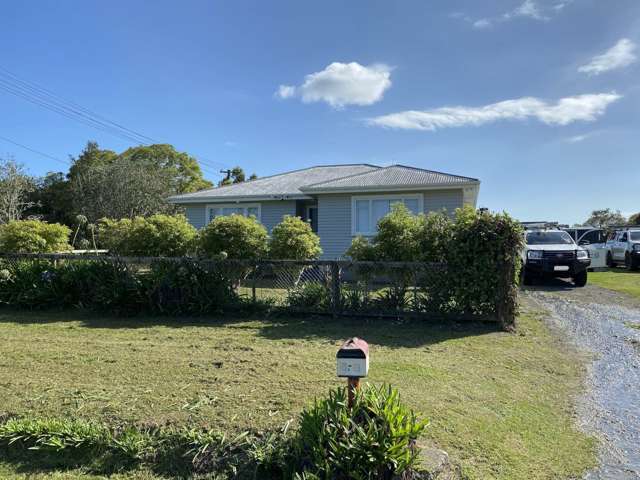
(399,196)
(244,206)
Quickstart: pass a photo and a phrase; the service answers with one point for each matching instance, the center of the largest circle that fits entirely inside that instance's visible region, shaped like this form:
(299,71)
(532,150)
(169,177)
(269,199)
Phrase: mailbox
(353,358)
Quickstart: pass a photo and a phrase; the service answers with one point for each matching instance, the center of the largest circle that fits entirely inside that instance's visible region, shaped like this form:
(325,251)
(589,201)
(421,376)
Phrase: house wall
(271,213)
(334,217)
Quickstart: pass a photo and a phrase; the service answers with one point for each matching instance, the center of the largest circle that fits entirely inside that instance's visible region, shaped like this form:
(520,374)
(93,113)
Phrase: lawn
(499,403)
(618,279)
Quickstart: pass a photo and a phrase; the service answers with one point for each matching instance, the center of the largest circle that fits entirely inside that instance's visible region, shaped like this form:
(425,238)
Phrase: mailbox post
(352,362)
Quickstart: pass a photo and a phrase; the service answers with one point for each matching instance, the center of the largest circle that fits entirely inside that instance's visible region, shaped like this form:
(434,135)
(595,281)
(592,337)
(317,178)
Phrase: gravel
(599,323)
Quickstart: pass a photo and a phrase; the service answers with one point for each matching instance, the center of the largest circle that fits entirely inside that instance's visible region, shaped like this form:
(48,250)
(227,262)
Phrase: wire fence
(385,289)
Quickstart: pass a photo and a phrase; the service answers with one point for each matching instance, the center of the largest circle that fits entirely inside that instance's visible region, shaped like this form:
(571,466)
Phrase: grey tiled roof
(284,184)
(393,176)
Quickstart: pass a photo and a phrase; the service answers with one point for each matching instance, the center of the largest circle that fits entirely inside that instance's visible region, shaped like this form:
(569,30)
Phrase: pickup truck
(624,248)
(553,253)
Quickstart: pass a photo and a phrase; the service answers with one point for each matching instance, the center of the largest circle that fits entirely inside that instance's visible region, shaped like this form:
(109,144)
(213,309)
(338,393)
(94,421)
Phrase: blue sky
(538,98)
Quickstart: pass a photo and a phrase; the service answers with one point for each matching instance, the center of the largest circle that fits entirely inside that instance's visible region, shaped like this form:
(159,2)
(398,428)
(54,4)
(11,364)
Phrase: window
(367,211)
(248,210)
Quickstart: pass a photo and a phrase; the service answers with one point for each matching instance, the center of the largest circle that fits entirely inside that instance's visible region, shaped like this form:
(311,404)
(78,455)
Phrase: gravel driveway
(597,320)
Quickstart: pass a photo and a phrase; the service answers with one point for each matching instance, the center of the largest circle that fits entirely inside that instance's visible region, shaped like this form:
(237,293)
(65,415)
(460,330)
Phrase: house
(340,201)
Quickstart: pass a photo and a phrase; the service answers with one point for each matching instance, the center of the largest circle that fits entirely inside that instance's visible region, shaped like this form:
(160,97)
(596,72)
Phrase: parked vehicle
(624,248)
(594,240)
(551,252)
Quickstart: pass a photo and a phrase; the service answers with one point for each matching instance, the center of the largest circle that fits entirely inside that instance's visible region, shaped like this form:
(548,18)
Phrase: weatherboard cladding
(394,176)
(271,213)
(334,217)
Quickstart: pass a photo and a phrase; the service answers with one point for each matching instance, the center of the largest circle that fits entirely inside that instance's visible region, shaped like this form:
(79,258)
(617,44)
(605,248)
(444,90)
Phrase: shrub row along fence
(186,286)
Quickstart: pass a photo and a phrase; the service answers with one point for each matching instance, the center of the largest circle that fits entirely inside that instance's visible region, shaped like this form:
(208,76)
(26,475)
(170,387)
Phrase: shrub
(189,288)
(375,439)
(33,236)
(434,236)
(309,296)
(155,236)
(238,236)
(293,239)
(362,250)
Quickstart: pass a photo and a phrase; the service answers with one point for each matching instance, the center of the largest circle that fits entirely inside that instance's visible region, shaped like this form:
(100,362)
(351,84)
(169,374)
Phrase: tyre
(580,280)
(634,264)
(610,263)
(628,262)
(526,278)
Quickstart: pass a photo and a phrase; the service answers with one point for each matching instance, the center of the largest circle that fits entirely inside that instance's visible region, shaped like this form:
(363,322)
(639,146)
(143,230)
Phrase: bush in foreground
(155,236)
(293,239)
(234,236)
(375,440)
(33,236)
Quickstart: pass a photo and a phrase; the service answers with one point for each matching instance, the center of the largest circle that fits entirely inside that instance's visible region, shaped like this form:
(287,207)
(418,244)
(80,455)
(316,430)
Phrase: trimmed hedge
(373,440)
(34,236)
(167,287)
(480,249)
(235,237)
(155,236)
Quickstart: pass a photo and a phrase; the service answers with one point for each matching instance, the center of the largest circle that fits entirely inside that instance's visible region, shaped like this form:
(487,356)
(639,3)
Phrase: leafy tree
(33,236)
(604,218)
(52,199)
(434,236)
(90,158)
(235,175)
(634,219)
(182,169)
(154,236)
(15,187)
(237,236)
(293,239)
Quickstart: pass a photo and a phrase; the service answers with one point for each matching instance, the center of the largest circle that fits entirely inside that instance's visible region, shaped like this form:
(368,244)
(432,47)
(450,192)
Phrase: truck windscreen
(549,238)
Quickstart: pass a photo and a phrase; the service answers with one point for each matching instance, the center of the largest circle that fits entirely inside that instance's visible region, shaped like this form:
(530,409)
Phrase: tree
(293,239)
(634,219)
(122,189)
(604,218)
(91,157)
(15,187)
(52,199)
(235,175)
(183,169)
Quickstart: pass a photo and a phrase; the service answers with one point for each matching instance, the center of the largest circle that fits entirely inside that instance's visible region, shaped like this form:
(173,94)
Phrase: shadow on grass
(382,331)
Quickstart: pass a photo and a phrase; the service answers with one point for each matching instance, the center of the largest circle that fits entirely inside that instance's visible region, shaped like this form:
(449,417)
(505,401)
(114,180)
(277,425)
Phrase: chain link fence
(385,289)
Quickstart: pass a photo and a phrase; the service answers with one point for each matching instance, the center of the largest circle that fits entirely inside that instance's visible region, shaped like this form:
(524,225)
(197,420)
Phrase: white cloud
(341,84)
(619,56)
(531,9)
(577,138)
(563,112)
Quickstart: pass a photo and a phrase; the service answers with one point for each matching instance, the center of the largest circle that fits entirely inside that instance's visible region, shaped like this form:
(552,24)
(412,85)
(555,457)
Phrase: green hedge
(155,236)
(373,440)
(480,250)
(33,236)
(167,287)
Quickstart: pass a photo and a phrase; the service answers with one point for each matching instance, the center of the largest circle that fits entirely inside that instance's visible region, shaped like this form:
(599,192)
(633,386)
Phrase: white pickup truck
(624,248)
(553,253)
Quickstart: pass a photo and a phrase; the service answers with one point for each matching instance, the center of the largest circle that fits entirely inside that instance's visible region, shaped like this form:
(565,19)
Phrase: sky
(539,99)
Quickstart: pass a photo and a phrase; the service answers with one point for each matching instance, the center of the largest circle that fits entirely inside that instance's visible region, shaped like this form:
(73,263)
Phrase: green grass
(499,403)
(619,280)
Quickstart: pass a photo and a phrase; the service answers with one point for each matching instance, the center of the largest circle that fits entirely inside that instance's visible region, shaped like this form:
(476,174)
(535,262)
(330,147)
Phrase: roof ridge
(217,189)
(432,171)
(378,168)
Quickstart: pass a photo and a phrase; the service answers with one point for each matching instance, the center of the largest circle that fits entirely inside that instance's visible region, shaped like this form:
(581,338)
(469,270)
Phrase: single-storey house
(340,201)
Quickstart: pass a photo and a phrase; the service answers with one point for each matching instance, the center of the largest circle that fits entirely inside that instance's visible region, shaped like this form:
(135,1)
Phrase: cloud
(619,56)
(527,9)
(567,110)
(577,138)
(341,84)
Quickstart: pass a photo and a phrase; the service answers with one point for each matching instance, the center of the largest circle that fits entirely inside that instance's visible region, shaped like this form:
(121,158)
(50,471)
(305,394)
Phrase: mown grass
(619,280)
(499,403)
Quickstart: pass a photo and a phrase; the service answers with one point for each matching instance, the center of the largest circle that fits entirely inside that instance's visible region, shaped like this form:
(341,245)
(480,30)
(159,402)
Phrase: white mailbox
(353,358)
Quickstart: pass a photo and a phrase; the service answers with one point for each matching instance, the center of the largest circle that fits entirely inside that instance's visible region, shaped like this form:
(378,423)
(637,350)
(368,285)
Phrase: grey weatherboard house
(340,201)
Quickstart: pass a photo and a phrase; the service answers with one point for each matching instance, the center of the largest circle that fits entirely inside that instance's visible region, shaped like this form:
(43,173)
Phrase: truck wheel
(610,263)
(628,262)
(580,280)
(633,263)
(526,278)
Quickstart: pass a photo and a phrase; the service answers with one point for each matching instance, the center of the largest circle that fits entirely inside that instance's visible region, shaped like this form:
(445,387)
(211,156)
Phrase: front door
(312,216)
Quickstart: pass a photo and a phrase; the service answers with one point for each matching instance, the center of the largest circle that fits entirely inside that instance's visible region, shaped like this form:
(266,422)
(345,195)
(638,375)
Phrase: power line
(41,96)
(8,140)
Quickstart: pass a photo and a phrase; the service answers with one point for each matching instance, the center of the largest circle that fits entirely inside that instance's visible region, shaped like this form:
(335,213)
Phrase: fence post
(336,298)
